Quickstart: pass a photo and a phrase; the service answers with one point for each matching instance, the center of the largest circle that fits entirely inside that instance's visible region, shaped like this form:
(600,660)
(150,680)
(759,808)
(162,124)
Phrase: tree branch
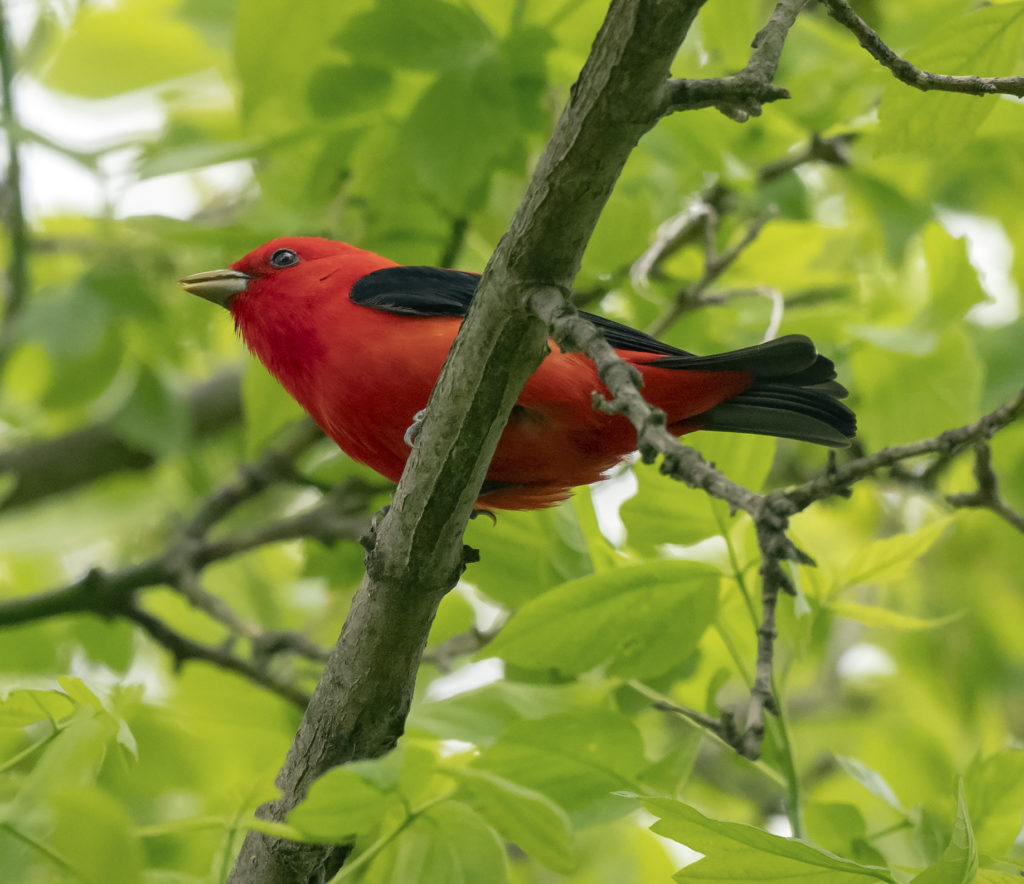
(40,469)
(340,514)
(905,72)
(837,479)
(741,96)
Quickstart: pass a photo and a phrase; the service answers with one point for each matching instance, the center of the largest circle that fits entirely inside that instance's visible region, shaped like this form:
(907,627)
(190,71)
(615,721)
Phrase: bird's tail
(794,394)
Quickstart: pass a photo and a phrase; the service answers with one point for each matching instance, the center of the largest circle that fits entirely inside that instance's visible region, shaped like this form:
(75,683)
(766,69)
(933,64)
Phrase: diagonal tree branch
(905,72)
(41,469)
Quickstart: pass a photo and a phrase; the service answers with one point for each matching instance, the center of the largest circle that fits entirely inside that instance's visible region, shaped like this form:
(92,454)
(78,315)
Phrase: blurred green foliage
(410,127)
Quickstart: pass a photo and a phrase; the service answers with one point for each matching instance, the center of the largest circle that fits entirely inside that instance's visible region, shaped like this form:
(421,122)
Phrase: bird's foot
(414,427)
(480,511)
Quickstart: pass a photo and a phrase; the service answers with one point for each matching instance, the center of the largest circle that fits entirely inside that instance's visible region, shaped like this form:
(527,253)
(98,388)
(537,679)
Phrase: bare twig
(907,73)
(987,494)
(17,268)
(459,645)
(741,96)
(771,512)
(715,264)
(184,648)
(839,478)
(833,151)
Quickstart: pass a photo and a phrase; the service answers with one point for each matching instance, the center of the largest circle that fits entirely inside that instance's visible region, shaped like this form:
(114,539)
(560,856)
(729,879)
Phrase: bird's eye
(284,258)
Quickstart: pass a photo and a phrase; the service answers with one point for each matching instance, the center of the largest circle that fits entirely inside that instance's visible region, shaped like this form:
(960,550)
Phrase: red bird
(359,341)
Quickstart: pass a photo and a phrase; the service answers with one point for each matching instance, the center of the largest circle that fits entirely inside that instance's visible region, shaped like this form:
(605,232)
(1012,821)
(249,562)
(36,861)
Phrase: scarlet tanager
(359,341)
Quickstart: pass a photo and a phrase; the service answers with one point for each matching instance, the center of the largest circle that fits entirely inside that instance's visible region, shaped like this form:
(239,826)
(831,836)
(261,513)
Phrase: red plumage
(364,369)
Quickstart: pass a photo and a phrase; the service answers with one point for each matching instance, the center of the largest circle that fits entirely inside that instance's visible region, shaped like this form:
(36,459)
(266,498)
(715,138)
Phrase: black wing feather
(431,291)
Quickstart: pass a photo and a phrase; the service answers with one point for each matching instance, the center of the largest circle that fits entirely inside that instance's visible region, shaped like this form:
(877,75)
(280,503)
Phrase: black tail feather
(794,394)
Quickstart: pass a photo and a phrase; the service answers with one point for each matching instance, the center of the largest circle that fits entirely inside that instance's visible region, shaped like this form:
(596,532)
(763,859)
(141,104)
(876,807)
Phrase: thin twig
(907,73)
(17,269)
(459,645)
(741,96)
(715,200)
(340,514)
(456,240)
(987,494)
(838,478)
(715,264)
(184,648)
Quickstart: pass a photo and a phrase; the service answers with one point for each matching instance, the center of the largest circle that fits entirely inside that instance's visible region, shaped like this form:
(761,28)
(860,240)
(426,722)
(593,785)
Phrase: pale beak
(219,286)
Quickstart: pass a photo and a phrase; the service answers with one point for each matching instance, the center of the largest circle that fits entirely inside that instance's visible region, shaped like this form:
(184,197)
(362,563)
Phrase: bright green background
(386,124)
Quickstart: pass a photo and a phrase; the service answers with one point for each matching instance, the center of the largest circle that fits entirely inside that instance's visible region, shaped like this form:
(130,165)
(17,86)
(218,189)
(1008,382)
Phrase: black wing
(417,291)
(431,291)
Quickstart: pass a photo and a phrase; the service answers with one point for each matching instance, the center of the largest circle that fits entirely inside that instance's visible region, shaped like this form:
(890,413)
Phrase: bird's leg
(414,427)
(410,437)
(480,511)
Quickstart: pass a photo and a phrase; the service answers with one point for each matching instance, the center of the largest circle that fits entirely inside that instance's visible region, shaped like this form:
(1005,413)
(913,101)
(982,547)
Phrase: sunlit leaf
(959,862)
(642,619)
(521,815)
(736,852)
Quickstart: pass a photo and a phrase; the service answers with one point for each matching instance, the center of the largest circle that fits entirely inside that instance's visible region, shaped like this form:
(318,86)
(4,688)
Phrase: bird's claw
(414,427)
(480,511)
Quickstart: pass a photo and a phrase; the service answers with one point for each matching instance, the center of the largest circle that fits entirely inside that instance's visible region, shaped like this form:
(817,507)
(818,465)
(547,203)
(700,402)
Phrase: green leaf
(339,805)
(953,281)
(984,42)
(480,716)
(526,553)
(97,836)
(642,619)
(665,511)
(884,618)
(577,759)
(273,79)
(337,90)
(447,843)
(521,815)
(891,558)
(23,707)
(908,397)
(418,34)
(71,759)
(870,780)
(993,786)
(959,862)
(741,853)
(267,407)
(841,829)
(154,417)
(112,50)
(452,152)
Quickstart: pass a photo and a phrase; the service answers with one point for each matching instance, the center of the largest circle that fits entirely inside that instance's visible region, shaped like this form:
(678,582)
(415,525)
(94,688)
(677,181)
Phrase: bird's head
(285,269)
